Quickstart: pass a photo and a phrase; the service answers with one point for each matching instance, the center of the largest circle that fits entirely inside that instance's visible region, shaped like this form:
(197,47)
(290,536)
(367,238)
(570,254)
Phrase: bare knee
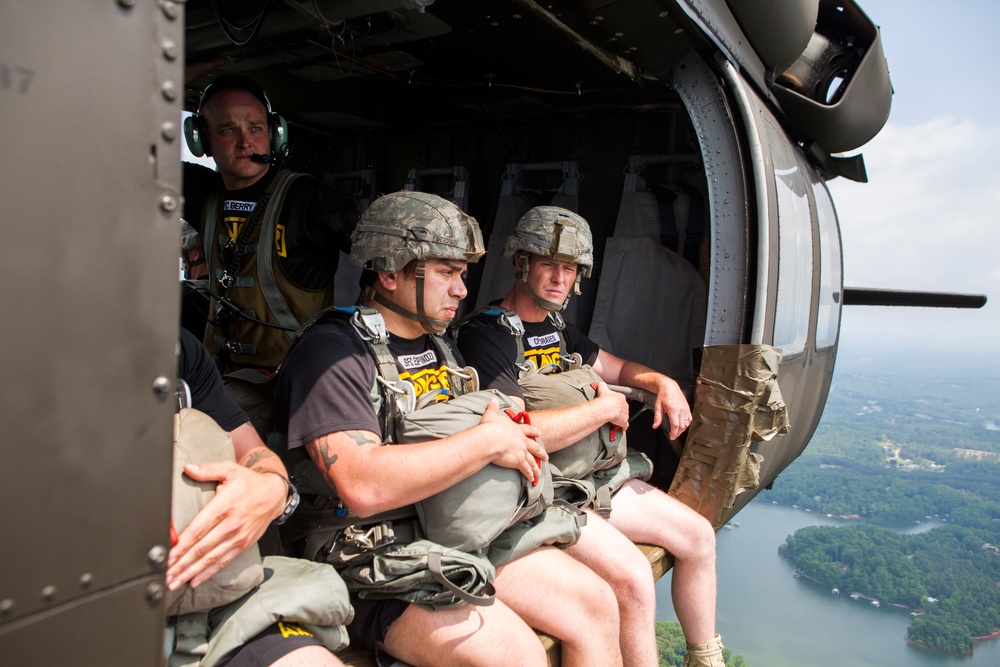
(699,543)
(632,579)
(599,603)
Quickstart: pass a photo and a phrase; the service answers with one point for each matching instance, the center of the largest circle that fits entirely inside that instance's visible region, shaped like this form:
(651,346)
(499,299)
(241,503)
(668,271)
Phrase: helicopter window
(791,320)
(828,319)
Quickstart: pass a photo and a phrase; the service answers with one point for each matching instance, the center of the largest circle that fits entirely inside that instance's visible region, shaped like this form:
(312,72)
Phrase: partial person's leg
(646,514)
(464,636)
(283,644)
(562,597)
(606,551)
(311,656)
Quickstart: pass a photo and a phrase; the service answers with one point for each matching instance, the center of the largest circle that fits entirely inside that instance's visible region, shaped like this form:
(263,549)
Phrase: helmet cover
(404,226)
(553,232)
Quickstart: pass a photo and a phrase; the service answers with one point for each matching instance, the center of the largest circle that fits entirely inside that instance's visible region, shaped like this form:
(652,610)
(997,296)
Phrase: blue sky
(927,218)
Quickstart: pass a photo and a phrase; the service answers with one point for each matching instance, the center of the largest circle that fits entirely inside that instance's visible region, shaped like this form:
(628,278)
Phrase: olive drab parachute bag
(471,514)
(600,450)
(199,439)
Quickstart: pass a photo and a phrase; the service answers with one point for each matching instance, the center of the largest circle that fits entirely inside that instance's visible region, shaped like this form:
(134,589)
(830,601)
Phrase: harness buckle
(370,326)
(512,322)
(226,280)
(572,361)
(529,367)
(366,538)
(234,347)
(405,393)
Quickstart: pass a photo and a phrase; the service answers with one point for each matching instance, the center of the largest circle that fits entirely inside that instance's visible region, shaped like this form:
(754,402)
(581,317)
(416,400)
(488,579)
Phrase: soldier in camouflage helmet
(553,232)
(405,227)
(552,248)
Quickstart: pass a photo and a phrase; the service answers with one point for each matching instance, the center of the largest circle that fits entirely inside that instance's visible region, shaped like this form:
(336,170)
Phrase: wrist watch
(290,504)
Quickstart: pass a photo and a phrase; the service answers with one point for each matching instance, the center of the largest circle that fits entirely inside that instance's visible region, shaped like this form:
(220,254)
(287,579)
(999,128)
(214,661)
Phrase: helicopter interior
(493,106)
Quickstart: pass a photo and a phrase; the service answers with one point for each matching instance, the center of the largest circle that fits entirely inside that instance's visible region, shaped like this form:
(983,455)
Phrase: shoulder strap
(556,318)
(467,377)
(508,319)
(265,268)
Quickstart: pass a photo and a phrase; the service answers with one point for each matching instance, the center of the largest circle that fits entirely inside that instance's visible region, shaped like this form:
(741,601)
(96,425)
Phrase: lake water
(774,619)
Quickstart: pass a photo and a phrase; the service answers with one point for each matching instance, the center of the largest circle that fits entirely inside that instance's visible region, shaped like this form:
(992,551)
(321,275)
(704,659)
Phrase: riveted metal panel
(714,125)
(90,96)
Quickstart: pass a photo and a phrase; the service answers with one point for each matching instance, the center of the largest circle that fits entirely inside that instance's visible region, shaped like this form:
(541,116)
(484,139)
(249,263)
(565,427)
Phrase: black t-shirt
(196,368)
(315,224)
(326,382)
(489,348)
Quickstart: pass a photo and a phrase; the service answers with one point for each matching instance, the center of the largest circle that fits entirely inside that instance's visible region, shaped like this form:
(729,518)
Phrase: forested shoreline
(897,449)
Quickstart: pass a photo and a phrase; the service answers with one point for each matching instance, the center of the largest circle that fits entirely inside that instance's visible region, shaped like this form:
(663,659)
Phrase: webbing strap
(559,323)
(265,269)
(602,502)
(508,319)
(489,591)
(238,281)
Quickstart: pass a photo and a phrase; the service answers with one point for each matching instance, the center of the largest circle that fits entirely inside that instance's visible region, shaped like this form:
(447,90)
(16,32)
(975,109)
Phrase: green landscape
(672,647)
(901,444)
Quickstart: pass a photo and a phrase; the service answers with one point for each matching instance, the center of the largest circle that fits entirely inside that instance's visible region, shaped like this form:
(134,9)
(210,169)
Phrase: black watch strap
(291,504)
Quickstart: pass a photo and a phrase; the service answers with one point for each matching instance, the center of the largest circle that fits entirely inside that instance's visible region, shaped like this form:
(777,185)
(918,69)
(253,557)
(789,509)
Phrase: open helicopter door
(90,188)
(648,291)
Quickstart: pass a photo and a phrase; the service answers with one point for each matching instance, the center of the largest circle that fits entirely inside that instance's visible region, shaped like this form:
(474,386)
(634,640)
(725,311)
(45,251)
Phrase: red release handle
(523,418)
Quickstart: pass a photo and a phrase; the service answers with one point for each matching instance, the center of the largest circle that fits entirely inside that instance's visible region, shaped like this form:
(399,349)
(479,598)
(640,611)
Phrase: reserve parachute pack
(600,461)
(600,450)
(471,514)
(199,439)
(589,471)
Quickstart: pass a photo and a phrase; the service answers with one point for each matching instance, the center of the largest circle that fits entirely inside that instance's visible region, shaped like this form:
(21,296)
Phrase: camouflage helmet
(404,226)
(553,232)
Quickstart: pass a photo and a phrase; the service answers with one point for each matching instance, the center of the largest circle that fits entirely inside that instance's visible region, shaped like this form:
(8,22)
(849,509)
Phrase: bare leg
(560,596)
(646,514)
(606,551)
(464,636)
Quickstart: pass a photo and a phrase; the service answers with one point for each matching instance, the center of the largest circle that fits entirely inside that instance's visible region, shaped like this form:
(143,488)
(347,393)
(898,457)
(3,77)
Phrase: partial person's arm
(670,400)
(564,426)
(370,478)
(249,496)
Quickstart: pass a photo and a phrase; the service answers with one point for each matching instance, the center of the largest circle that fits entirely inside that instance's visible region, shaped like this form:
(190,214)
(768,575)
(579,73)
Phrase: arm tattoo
(257,457)
(321,449)
(361,438)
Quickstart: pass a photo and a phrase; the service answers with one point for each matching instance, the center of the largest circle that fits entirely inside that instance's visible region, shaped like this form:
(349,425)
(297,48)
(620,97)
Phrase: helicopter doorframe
(731,262)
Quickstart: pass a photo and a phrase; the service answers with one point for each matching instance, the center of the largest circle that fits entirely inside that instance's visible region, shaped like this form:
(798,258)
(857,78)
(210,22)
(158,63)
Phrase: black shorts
(372,619)
(273,643)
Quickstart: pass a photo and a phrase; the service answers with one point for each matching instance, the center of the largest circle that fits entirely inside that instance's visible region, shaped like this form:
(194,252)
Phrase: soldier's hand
(616,405)
(520,444)
(244,504)
(670,401)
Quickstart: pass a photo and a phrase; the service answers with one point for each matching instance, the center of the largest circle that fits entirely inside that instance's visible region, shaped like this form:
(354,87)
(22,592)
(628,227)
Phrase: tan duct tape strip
(737,401)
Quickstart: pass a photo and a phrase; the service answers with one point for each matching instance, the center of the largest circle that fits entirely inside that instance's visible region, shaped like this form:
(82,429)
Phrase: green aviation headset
(196,130)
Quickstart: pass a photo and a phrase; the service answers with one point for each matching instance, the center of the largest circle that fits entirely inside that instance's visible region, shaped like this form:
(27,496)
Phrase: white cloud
(927,220)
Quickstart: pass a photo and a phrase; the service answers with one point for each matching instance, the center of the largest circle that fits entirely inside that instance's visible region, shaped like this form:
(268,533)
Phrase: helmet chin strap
(429,324)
